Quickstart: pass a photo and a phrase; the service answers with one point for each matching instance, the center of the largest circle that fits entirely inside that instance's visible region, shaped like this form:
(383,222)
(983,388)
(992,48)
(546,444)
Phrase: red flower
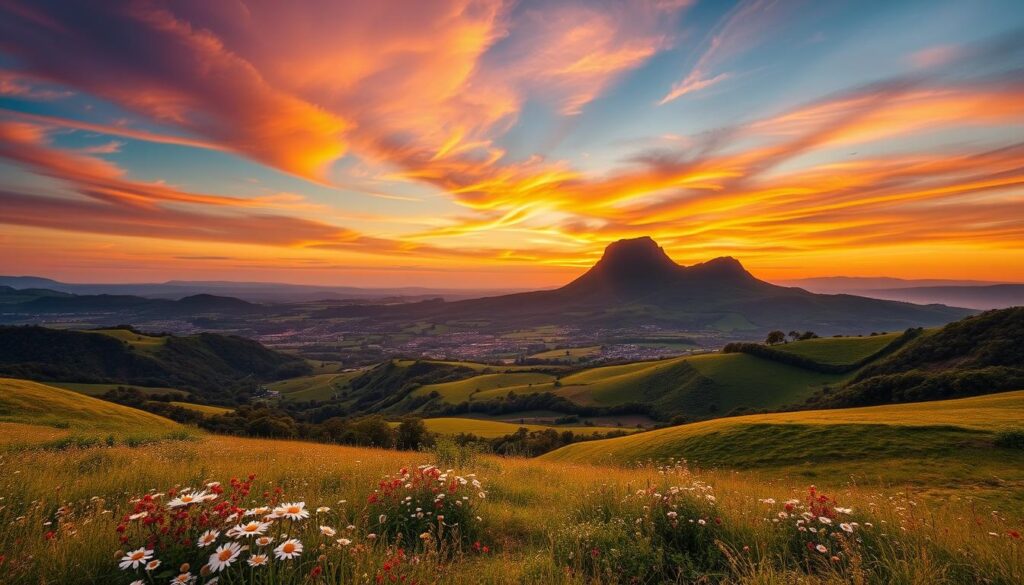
(1013,534)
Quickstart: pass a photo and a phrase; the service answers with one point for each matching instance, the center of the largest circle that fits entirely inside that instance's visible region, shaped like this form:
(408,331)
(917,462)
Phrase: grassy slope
(316,387)
(27,402)
(136,340)
(461,390)
(203,408)
(946,438)
(100,389)
(490,429)
(838,350)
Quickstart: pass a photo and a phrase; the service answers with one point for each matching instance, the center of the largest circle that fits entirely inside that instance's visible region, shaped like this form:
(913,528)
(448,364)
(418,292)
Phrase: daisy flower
(328,531)
(846,527)
(288,549)
(136,558)
(264,540)
(137,582)
(322,510)
(138,516)
(258,560)
(185,578)
(821,548)
(187,499)
(207,538)
(152,565)
(824,520)
(224,556)
(249,529)
(292,511)
(344,541)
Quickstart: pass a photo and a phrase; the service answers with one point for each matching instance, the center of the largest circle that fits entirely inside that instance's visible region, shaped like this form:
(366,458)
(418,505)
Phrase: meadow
(74,512)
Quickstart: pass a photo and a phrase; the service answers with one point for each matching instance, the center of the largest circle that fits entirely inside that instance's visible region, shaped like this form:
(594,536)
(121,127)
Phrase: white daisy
(186,578)
(136,558)
(152,565)
(207,538)
(224,556)
(344,541)
(328,531)
(258,560)
(253,528)
(187,499)
(292,511)
(264,540)
(288,549)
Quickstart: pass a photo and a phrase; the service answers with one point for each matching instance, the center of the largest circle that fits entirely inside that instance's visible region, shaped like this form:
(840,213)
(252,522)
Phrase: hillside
(32,403)
(221,369)
(635,283)
(976,355)
(950,434)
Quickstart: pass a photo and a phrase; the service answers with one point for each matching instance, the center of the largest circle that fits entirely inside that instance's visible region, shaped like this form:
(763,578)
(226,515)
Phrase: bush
(1010,439)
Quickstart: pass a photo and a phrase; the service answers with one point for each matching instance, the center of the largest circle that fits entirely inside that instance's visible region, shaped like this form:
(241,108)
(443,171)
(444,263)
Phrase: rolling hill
(635,284)
(218,368)
(932,433)
(33,403)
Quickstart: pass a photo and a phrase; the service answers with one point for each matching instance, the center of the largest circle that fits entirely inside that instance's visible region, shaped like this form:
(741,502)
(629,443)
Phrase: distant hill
(45,301)
(218,368)
(972,294)
(635,284)
(260,292)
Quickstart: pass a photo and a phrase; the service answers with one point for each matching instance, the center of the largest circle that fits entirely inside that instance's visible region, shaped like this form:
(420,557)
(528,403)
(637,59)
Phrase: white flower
(288,549)
(152,565)
(258,560)
(136,558)
(382,518)
(824,519)
(702,522)
(846,527)
(292,511)
(207,538)
(344,541)
(264,540)
(253,528)
(821,548)
(328,531)
(137,582)
(138,516)
(224,556)
(187,499)
(322,509)
(185,578)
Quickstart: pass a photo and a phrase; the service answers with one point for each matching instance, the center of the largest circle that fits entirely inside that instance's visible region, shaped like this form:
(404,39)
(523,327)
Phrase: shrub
(1010,439)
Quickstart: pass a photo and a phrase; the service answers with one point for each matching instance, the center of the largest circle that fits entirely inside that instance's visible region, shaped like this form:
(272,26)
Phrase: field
(572,354)
(541,521)
(30,402)
(100,389)
(315,387)
(948,443)
(482,386)
(203,408)
(138,341)
(489,429)
(838,350)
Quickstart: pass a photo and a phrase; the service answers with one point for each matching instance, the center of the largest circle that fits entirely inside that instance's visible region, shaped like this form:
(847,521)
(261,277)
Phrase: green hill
(316,387)
(839,350)
(952,437)
(218,368)
(490,429)
(33,403)
(976,355)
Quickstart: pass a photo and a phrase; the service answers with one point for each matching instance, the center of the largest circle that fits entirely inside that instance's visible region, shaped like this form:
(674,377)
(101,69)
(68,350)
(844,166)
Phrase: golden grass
(528,501)
(22,401)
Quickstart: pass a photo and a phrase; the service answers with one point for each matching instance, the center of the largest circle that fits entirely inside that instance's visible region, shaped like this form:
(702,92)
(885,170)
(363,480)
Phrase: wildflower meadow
(229,510)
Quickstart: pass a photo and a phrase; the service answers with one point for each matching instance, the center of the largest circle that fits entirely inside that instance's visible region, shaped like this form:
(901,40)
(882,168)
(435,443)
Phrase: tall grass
(541,521)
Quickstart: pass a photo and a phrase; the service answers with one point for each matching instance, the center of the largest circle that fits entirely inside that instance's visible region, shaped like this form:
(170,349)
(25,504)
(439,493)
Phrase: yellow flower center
(137,556)
(186,498)
(224,555)
(293,510)
(289,548)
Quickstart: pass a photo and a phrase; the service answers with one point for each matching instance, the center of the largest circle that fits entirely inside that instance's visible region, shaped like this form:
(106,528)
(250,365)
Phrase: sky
(496,144)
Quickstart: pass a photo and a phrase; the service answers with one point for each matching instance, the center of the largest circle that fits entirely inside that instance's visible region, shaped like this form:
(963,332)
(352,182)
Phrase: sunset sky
(462,143)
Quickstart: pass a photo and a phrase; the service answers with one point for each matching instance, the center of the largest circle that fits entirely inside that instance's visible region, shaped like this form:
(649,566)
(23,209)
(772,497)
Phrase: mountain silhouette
(635,283)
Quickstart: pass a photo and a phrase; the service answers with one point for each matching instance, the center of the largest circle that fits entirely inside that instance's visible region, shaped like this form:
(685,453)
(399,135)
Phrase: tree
(794,335)
(808,335)
(775,337)
(412,434)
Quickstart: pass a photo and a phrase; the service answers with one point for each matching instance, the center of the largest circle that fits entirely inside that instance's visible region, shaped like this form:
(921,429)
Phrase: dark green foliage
(775,337)
(220,369)
(1010,439)
(412,435)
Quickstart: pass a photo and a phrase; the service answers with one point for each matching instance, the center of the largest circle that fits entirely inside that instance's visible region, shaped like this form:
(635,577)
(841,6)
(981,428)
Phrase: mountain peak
(723,267)
(636,257)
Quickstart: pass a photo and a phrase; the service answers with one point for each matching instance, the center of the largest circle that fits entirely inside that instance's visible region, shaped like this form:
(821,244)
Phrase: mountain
(973,294)
(258,292)
(35,301)
(219,368)
(636,284)
(996,296)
